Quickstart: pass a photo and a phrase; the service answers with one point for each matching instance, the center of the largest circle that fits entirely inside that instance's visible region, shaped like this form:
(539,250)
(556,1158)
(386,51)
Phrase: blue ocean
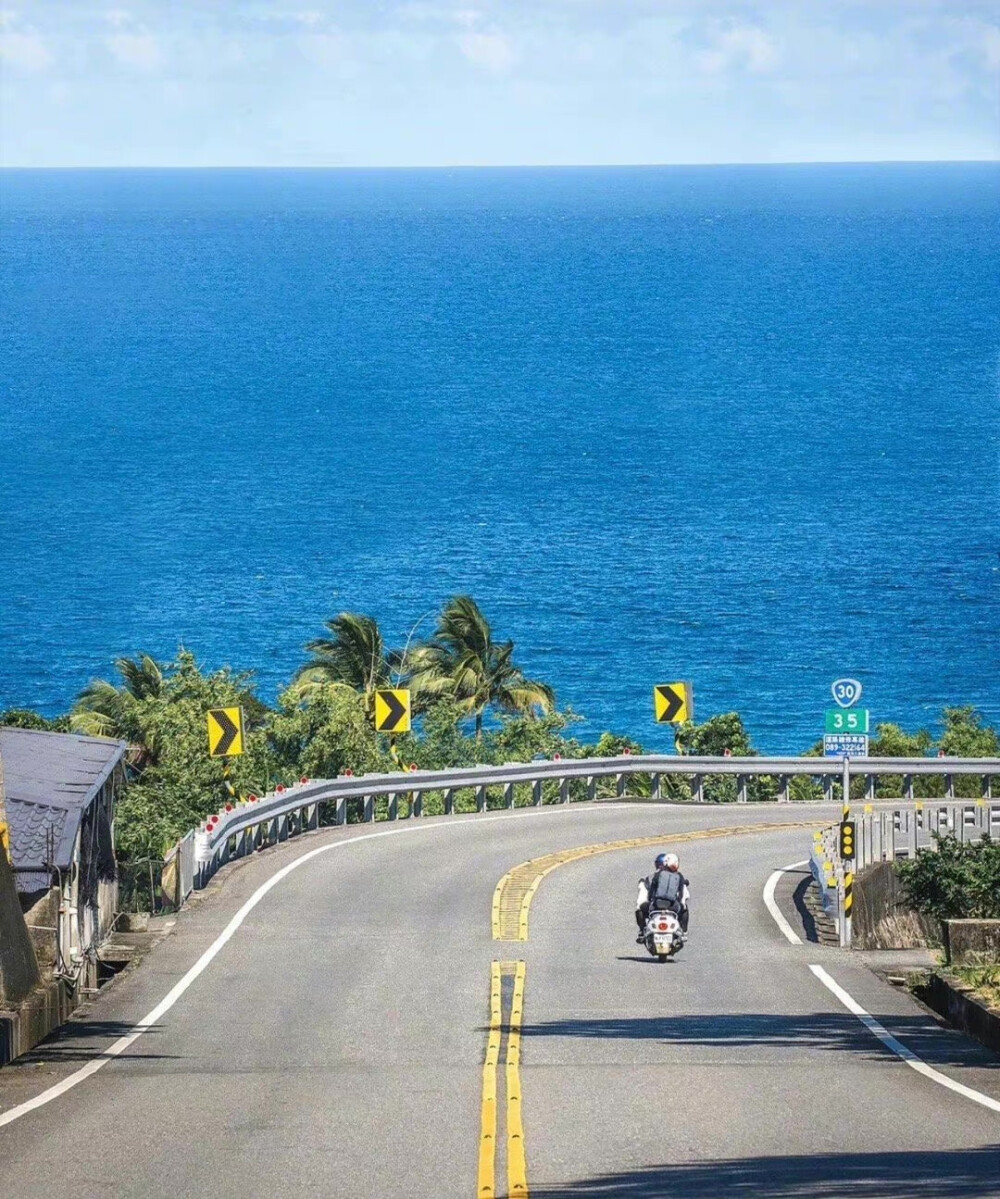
(736,425)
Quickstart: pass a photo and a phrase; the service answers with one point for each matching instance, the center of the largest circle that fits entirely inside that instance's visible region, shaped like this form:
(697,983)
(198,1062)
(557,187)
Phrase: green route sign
(847,720)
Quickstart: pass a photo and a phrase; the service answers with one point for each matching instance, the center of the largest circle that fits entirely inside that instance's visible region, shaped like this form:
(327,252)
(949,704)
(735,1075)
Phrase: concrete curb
(953,999)
(42,1012)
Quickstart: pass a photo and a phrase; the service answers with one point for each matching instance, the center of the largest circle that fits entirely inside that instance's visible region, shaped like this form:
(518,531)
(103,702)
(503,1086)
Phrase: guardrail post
(392,807)
(698,787)
(313,821)
(619,785)
(536,793)
(827,788)
(591,786)
(417,808)
(369,809)
(449,801)
(508,795)
(564,790)
(782,788)
(654,786)
(481,798)
(987,789)
(908,786)
(870,787)
(741,788)
(340,810)
(949,783)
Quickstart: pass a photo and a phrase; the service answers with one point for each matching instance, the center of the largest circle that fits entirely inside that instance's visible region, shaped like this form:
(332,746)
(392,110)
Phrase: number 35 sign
(846,692)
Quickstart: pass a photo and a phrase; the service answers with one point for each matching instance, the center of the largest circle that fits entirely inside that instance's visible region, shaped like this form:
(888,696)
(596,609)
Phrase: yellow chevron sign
(225,732)
(672,703)
(392,711)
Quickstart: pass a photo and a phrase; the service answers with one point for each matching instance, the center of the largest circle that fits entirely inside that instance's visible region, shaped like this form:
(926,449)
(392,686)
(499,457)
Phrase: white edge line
(897,1047)
(773,908)
(167,1002)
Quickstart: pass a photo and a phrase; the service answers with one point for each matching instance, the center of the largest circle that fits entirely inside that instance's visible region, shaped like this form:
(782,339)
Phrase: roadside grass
(984,980)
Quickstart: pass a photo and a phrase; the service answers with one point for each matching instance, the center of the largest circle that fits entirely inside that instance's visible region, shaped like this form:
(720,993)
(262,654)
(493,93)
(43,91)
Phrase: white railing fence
(885,833)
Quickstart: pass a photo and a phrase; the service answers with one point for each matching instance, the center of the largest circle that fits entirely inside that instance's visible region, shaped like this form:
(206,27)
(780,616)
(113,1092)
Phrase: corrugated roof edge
(105,774)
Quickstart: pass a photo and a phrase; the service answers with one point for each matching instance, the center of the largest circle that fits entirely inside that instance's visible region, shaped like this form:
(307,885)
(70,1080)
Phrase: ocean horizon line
(498,166)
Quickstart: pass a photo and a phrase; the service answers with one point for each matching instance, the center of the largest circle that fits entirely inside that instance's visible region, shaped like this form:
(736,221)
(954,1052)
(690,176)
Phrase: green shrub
(955,881)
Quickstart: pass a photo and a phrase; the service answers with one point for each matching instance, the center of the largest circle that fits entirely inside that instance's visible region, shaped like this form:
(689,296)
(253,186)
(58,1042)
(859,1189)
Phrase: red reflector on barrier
(279,790)
(303,781)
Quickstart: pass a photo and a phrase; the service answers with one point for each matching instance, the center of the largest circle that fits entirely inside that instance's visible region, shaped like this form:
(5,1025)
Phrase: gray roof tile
(50,779)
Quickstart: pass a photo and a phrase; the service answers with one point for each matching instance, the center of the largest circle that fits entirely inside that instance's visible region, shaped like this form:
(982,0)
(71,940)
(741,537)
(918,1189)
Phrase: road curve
(336,1044)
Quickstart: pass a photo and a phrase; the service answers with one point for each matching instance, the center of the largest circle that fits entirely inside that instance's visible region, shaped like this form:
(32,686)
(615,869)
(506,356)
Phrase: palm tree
(354,656)
(463,660)
(105,710)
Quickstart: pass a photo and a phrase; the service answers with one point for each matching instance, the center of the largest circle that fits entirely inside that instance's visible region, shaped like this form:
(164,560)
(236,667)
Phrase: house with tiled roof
(61,791)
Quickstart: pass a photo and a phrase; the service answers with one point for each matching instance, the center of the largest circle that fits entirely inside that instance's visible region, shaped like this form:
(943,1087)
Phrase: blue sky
(428,82)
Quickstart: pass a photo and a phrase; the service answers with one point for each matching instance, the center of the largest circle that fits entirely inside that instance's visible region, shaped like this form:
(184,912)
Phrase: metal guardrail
(241,828)
(885,833)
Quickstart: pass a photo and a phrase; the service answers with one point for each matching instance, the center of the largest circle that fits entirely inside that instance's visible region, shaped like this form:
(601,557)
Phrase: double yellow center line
(517,1170)
(511,903)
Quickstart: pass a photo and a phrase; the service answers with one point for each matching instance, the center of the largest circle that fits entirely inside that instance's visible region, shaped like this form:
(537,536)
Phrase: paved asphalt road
(335,1046)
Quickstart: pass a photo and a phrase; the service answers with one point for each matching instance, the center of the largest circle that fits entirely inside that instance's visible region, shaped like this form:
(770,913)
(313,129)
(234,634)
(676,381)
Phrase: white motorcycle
(663,935)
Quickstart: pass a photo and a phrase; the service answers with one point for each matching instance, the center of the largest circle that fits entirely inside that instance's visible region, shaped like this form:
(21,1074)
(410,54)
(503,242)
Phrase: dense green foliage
(473,705)
(955,881)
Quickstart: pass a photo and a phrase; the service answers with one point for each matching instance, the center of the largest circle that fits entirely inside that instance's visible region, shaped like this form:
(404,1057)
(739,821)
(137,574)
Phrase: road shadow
(75,1042)
(806,917)
(823,1031)
(648,960)
(958,1174)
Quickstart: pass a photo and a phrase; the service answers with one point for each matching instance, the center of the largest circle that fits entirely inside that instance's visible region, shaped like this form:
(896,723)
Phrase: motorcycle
(663,935)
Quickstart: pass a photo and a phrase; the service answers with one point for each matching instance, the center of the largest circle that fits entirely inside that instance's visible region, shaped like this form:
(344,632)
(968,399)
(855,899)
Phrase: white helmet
(671,861)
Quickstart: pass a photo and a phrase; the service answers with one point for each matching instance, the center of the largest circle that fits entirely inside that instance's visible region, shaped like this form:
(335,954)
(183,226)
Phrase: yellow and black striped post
(848,908)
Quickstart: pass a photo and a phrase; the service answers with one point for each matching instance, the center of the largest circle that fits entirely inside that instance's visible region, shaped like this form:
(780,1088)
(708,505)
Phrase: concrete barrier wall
(972,942)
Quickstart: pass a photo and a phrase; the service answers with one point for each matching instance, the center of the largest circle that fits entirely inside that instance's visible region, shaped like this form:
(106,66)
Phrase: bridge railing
(885,833)
(242,827)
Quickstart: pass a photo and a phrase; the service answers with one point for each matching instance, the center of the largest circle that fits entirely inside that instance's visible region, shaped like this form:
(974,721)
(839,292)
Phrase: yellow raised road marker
(515,891)
(517,1167)
(486,1187)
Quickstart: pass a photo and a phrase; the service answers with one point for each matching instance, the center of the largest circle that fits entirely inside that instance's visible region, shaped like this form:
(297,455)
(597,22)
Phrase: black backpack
(665,890)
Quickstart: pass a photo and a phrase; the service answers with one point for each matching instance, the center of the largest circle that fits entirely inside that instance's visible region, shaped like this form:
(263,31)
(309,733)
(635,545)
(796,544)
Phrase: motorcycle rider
(665,889)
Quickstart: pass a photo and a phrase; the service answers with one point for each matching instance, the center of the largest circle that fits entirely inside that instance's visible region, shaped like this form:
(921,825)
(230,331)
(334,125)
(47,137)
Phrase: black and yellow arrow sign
(392,711)
(672,703)
(225,732)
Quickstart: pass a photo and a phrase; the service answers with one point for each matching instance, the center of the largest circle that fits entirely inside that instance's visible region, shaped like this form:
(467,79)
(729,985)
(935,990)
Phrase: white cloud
(118,18)
(140,50)
(490,50)
(743,46)
(25,50)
